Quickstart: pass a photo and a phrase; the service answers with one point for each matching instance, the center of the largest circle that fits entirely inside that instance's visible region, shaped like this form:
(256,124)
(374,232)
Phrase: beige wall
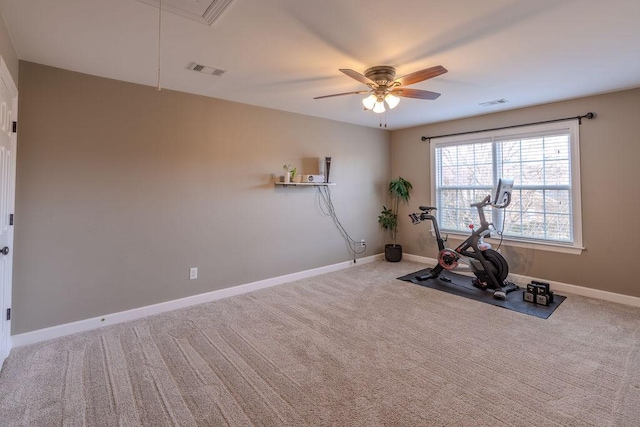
(609,151)
(121,189)
(7,50)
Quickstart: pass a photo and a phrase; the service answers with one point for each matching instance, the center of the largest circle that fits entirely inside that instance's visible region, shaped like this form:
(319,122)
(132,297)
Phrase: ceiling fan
(385,88)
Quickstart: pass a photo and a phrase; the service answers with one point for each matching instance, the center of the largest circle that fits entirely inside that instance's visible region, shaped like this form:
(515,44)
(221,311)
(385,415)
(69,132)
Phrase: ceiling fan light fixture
(392,100)
(384,88)
(369,102)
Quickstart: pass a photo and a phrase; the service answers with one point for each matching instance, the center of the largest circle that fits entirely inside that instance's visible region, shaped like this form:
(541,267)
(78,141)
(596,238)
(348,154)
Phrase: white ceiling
(282,53)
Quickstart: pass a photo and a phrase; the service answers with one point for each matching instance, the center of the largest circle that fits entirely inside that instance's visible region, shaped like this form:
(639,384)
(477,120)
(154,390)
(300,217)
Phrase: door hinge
(10,219)
(15,127)
(8,314)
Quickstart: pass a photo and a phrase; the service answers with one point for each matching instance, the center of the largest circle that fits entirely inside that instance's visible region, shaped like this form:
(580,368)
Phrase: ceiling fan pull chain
(385,120)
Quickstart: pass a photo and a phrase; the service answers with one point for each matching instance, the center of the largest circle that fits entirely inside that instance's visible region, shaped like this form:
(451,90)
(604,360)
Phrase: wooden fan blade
(421,75)
(357,76)
(340,94)
(415,93)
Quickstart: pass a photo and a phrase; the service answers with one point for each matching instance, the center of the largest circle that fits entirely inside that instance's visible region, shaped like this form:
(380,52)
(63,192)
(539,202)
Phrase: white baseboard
(138,313)
(558,287)
(566,288)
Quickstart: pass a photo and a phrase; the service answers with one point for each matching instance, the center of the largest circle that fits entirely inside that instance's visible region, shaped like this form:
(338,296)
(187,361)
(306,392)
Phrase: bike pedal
(478,284)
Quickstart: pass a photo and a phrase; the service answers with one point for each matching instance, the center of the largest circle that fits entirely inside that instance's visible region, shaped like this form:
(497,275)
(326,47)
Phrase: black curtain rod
(578,118)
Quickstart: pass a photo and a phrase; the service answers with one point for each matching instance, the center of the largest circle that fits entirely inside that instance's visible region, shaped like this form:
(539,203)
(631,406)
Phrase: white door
(8,113)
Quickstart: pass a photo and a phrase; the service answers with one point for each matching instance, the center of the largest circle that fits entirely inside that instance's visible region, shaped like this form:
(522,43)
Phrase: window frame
(572,128)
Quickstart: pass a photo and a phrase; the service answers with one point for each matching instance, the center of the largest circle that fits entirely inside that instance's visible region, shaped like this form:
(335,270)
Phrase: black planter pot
(393,253)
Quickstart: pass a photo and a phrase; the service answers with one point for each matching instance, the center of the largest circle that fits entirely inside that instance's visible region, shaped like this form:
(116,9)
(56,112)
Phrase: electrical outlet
(362,243)
(193,273)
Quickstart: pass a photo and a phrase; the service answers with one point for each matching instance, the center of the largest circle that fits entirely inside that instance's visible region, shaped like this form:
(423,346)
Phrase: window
(543,161)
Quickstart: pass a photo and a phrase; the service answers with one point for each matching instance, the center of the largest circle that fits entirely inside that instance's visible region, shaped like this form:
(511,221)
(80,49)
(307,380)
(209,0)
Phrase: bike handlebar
(505,204)
(426,210)
(484,202)
(487,201)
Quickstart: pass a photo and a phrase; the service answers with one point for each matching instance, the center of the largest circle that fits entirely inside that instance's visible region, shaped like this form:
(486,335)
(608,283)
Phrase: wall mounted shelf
(304,184)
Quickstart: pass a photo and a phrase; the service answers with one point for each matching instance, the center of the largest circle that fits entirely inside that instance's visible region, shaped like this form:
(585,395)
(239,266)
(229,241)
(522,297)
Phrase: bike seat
(427,209)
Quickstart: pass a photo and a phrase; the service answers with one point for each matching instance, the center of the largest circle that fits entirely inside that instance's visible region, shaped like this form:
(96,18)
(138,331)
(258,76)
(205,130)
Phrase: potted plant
(399,190)
(289,173)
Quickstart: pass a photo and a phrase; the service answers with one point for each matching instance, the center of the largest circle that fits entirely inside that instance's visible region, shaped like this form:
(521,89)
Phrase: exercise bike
(489,267)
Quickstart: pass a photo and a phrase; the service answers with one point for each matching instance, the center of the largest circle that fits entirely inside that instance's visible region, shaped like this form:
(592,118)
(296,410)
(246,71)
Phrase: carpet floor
(351,348)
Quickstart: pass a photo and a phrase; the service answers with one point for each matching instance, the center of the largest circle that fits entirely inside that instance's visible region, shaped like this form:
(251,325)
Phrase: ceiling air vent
(205,69)
(497,101)
(204,11)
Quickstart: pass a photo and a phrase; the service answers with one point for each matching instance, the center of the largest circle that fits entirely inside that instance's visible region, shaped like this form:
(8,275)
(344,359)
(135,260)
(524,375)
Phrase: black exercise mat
(461,285)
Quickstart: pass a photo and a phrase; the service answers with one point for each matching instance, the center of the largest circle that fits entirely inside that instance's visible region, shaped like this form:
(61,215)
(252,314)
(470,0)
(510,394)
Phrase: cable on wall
(327,208)
(588,116)
(159,88)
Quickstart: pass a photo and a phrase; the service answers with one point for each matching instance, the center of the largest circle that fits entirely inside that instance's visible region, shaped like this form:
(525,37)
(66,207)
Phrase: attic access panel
(204,11)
